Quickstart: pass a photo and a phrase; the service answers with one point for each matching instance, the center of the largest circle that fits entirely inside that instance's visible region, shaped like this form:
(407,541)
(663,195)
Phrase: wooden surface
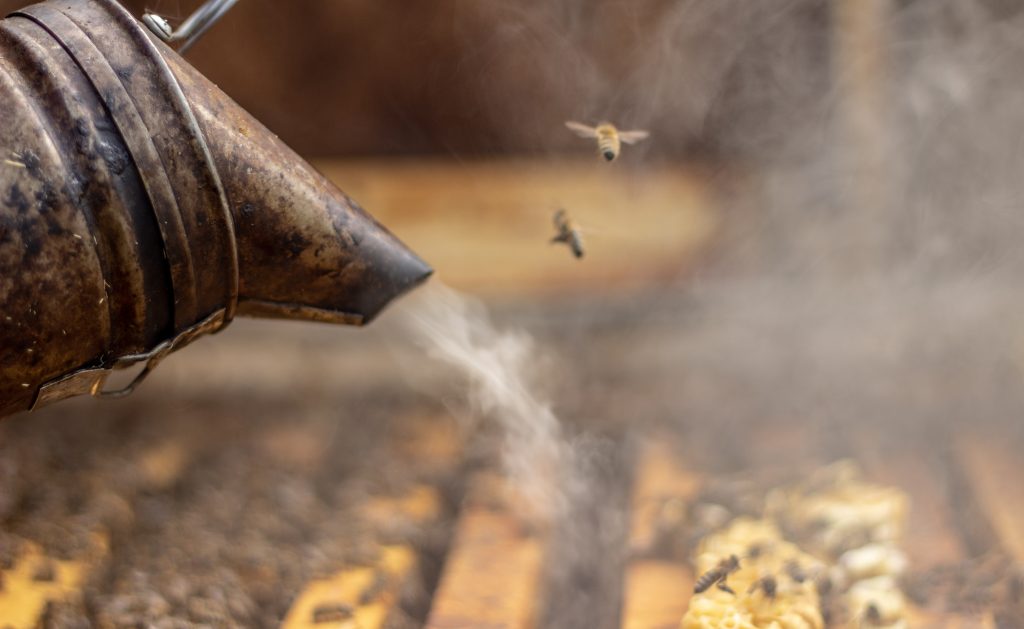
(992,467)
(657,594)
(23,597)
(492,573)
(368,593)
(485,226)
(657,591)
(862,79)
(660,477)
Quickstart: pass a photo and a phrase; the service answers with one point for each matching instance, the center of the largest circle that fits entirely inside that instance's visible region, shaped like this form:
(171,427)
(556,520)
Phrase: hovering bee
(568,232)
(609,139)
(717,576)
(766,584)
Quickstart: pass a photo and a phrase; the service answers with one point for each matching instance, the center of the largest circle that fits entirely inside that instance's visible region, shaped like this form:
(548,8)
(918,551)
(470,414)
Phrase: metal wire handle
(194,25)
(211,324)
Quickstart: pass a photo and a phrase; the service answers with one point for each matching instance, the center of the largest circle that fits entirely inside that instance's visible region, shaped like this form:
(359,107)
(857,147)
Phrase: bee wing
(559,218)
(632,137)
(588,230)
(580,129)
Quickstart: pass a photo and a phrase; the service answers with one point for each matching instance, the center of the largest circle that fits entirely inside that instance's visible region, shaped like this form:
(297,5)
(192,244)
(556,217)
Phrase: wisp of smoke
(568,483)
(501,369)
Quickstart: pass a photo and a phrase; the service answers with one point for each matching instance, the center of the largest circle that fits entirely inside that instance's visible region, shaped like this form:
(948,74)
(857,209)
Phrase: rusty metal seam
(144,38)
(286,310)
(136,135)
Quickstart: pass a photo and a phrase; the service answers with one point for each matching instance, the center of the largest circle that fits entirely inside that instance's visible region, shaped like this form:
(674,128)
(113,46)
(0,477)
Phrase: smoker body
(141,208)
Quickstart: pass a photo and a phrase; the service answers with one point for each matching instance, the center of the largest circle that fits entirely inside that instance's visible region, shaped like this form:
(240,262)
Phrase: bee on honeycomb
(760,594)
(825,546)
(835,511)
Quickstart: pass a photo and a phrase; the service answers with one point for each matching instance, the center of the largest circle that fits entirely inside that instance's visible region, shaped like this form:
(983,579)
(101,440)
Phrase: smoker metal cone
(140,208)
(305,249)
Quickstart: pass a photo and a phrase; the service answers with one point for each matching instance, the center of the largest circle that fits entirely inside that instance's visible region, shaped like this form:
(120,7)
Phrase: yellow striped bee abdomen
(608,143)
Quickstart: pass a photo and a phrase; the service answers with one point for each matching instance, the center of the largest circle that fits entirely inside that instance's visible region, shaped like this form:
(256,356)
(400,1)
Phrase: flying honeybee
(717,576)
(609,139)
(568,232)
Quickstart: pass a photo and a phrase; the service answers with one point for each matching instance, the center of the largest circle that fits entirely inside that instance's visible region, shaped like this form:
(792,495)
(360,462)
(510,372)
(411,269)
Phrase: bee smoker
(141,208)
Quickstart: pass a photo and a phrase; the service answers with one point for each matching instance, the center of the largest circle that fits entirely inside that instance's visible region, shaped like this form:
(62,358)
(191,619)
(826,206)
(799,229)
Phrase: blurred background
(814,255)
(480,79)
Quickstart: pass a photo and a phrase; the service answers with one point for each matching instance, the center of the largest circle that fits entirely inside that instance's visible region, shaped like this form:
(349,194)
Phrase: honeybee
(757,549)
(609,139)
(332,612)
(568,232)
(795,571)
(717,576)
(872,616)
(766,584)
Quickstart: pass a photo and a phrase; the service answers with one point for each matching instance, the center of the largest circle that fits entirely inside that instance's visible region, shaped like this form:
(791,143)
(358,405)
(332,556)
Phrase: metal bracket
(194,25)
(91,379)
